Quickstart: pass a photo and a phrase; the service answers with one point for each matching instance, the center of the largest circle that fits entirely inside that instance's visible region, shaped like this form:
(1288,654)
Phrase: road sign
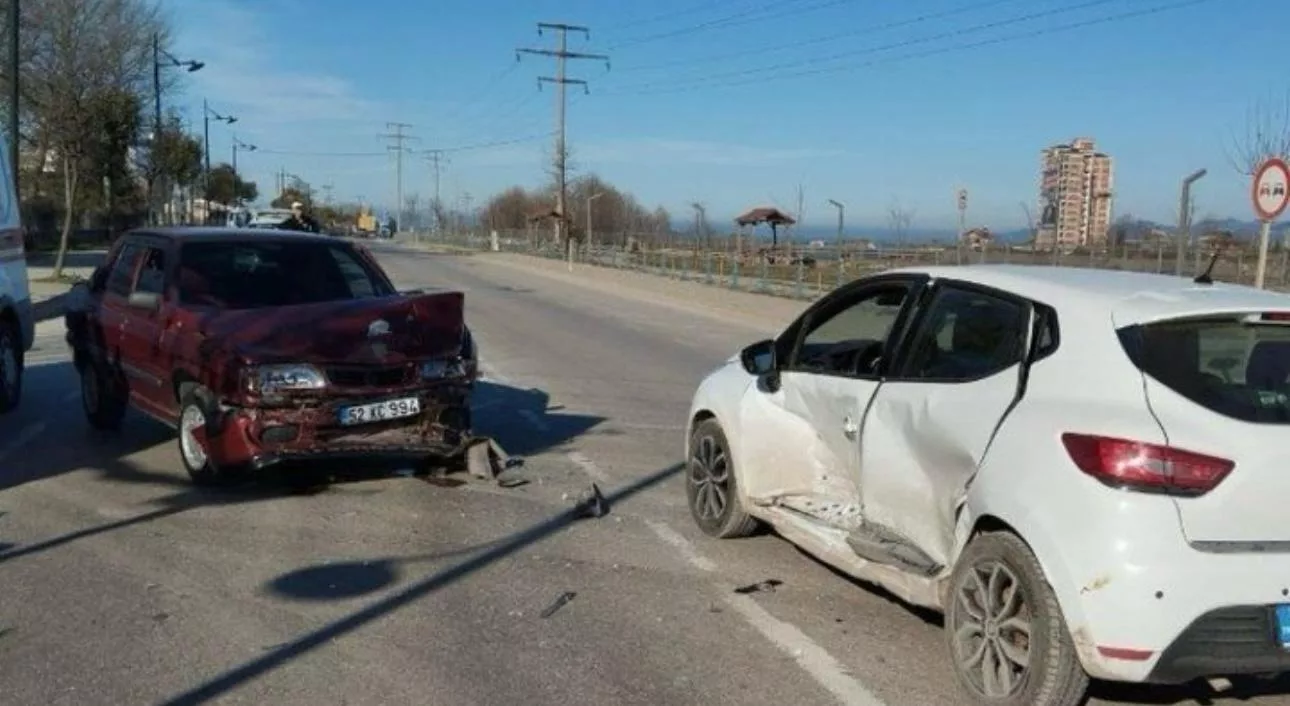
(1271,189)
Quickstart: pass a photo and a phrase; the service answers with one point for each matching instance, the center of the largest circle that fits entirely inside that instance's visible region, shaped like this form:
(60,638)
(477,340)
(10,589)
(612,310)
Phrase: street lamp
(157,55)
(1184,218)
(207,114)
(840,212)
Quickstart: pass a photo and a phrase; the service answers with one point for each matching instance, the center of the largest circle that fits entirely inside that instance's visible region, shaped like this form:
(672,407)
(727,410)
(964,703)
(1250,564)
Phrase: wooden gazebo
(766,214)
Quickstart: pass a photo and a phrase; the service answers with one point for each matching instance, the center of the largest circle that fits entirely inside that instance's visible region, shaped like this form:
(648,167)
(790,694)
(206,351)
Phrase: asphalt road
(119,584)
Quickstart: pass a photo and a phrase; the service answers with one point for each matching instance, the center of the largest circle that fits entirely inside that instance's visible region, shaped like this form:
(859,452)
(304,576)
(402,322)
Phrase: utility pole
(561,80)
(398,137)
(327,194)
(436,158)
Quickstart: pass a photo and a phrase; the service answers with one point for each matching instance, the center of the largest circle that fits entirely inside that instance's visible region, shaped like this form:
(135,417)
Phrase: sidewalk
(47,294)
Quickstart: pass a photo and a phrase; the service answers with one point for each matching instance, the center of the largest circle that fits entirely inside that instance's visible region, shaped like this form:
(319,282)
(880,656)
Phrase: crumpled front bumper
(264,436)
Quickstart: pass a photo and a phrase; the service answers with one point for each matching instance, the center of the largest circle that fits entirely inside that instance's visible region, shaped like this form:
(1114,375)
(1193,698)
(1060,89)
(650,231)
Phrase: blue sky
(730,114)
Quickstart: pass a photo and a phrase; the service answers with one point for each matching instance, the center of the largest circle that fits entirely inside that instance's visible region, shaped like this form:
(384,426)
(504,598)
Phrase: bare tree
(85,52)
(899,218)
(1266,134)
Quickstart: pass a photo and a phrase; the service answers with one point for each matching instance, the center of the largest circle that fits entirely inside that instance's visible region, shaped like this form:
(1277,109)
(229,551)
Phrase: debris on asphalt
(592,503)
(485,459)
(767,586)
(510,479)
(558,604)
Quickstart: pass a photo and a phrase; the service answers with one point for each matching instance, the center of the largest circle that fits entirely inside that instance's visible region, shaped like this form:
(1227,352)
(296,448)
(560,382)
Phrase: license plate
(380,411)
(1283,625)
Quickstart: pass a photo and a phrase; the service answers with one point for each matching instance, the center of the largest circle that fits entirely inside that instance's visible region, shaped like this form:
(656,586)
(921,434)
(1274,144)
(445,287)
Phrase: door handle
(849,427)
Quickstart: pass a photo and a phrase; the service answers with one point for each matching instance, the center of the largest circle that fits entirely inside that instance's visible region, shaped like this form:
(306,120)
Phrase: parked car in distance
(1082,469)
(17,326)
(261,347)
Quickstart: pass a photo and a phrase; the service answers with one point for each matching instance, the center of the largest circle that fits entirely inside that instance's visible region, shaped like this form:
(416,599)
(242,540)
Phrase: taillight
(1136,465)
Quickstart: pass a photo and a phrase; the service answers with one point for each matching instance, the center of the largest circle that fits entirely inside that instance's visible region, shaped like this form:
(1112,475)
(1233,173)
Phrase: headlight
(441,369)
(270,379)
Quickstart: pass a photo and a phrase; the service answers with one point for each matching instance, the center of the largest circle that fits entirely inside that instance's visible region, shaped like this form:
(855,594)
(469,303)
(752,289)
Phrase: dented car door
(932,421)
(801,435)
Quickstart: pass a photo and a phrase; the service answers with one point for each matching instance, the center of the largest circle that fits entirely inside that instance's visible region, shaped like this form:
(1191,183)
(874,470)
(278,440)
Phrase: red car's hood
(386,330)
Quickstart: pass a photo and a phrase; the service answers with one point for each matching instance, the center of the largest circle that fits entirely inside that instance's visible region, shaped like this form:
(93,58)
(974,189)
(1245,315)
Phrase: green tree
(227,187)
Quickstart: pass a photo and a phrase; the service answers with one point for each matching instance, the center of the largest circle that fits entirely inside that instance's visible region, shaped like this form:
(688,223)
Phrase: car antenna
(1204,277)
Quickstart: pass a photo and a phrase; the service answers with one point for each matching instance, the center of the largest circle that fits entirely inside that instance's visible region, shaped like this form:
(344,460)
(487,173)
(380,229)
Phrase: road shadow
(1196,692)
(166,506)
(523,421)
(283,654)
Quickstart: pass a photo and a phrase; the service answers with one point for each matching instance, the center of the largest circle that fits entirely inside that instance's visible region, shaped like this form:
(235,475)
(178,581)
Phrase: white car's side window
(967,335)
(850,341)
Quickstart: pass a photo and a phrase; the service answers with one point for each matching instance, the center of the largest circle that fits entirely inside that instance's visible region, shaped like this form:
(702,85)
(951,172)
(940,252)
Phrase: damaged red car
(262,348)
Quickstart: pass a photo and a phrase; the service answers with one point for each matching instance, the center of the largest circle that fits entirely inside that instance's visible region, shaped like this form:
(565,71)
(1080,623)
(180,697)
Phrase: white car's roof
(1129,297)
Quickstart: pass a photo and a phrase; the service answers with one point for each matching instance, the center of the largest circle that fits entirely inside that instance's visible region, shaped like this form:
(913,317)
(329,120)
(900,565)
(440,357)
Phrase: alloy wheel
(710,476)
(992,630)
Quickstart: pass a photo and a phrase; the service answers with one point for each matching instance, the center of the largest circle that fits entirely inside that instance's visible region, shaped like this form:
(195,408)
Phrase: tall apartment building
(1075,194)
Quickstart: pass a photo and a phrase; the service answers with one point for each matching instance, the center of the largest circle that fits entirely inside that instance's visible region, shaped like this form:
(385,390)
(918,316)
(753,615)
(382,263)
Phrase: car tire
(1000,564)
(103,397)
(11,364)
(197,409)
(710,485)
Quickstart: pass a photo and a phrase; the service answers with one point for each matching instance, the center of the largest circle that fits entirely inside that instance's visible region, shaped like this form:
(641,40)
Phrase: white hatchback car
(1082,469)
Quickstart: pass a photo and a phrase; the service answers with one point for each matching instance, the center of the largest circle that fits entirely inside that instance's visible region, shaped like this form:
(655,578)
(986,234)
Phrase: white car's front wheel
(1008,641)
(710,484)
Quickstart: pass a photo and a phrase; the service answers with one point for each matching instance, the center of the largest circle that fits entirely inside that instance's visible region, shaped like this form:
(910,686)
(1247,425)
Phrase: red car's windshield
(255,275)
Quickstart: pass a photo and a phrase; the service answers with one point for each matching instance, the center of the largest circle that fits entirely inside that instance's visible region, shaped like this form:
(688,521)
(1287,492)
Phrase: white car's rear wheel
(710,485)
(1008,641)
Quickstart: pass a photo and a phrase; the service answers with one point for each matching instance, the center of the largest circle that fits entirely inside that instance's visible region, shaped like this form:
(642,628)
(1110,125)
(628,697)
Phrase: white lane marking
(815,660)
(588,466)
(24,437)
(682,545)
(827,671)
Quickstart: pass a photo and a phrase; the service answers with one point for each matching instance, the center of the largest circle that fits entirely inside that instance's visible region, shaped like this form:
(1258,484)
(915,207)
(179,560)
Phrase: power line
(668,15)
(874,50)
(822,39)
(457,148)
(736,19)
(709,82)
(561,54)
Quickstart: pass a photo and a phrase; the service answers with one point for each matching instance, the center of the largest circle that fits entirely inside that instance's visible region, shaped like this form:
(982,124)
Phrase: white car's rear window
(1236,366)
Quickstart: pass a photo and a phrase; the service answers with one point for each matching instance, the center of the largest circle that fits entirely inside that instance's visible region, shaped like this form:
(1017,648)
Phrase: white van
(17,327)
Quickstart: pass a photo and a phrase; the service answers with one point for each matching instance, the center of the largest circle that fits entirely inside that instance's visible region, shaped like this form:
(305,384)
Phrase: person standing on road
(300,220)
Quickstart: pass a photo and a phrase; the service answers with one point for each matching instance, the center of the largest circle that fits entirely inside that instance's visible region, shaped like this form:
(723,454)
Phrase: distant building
(1075,194)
